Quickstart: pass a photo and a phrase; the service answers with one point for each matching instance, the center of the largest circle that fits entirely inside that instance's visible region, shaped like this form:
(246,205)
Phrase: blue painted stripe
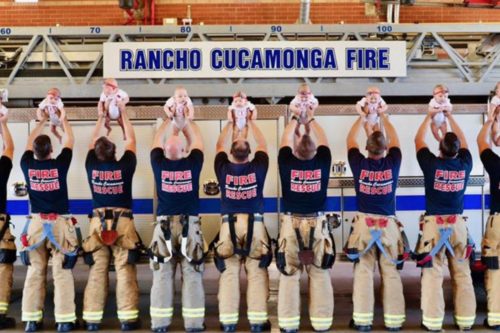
(212,205)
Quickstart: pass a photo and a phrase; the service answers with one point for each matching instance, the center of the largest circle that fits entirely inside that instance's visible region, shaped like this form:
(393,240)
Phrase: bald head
(174,148)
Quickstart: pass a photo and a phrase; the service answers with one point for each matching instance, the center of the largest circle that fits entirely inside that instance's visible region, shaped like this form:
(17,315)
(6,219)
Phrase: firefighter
(8,252)
(243,238)
(443,231)
(112,232)
(305,241)
(491,240)
(177,237)
(49,232)
(376,235)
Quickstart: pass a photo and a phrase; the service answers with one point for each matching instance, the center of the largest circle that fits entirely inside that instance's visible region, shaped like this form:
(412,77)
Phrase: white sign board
(278,59)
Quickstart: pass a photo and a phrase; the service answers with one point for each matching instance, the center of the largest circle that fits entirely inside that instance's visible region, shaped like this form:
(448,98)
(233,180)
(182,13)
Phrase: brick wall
(106,12)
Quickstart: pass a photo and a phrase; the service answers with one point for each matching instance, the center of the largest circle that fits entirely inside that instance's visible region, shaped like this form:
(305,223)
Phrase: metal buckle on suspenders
(375,240)
(444,242)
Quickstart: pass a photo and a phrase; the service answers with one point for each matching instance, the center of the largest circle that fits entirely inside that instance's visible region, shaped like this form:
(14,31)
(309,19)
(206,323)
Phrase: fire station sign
(259,59)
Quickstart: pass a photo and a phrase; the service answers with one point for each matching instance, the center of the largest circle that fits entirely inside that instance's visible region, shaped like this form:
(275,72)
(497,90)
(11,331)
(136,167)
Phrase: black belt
(122,213)
(315,214)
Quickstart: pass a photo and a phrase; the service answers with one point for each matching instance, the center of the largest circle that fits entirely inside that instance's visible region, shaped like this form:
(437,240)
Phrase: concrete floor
(341,278)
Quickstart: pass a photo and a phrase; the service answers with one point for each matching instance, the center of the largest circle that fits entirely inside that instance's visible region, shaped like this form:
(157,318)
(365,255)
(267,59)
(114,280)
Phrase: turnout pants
(64,233)
(392,288)
(7,258)
(99,248)
(433,228)
(490,253)
(252,236)
(298,235)
(167,251)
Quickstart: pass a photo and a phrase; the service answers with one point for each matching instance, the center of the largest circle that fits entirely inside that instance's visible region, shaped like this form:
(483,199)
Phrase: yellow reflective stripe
(193,309)
(394,316)
(65,318)
(289,318)
(257,315)
(433,320)
(32,316)
(364,315)
(125,315)
(319,319)
(161,312)
(432,323)
(289,322)
(89,315)
(193,312)
(465,321)
(228,318)
(151,309)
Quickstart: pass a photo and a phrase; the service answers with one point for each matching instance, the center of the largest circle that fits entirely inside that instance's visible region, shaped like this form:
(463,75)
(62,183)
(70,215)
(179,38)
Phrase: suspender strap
(231,220)
(185,231)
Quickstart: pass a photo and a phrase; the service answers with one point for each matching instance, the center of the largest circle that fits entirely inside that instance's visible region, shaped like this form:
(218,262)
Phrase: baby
(239,112)
(180,109)
(494,113)
(369,108)
(303,101)
(4,97)
(437,107)
(111,103)
(53,108)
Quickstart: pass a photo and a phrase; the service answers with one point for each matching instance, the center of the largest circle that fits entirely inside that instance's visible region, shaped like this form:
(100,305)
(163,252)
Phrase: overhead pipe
(305,8)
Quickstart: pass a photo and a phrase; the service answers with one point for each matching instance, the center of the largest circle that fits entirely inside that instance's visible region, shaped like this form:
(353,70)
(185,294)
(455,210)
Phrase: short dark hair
(449,145)
(42,147)
(306,147)
(240,151)
(376,143)
(105,150)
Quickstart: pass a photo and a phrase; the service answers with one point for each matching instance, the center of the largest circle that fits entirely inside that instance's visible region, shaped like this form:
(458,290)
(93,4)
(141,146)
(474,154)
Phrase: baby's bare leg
(368,128)
(495,132)
(120,122)
(175,130)
(107,124)
(53,129)
(435,132)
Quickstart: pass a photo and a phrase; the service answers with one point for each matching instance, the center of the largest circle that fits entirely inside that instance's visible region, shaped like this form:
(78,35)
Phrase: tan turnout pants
(258,278)
(7,243)
(320,284)
(162,291)
(491,248)
(392,288)
(432,300)
(36,277)
(127,290)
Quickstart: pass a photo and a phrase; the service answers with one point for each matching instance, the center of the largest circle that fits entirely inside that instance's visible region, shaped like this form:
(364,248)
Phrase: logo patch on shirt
(375,182)
(305,181)
(176,181)
(449,181)
(107,182)
(241,187)
(44,180)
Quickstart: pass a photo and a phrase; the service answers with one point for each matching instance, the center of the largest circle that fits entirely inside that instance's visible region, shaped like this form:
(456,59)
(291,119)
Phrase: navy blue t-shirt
(445,181)
(111,182)
(46,181)
(304,183)
(5,168)
(491,163)
(241,184)
(375,181)
(177,182)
